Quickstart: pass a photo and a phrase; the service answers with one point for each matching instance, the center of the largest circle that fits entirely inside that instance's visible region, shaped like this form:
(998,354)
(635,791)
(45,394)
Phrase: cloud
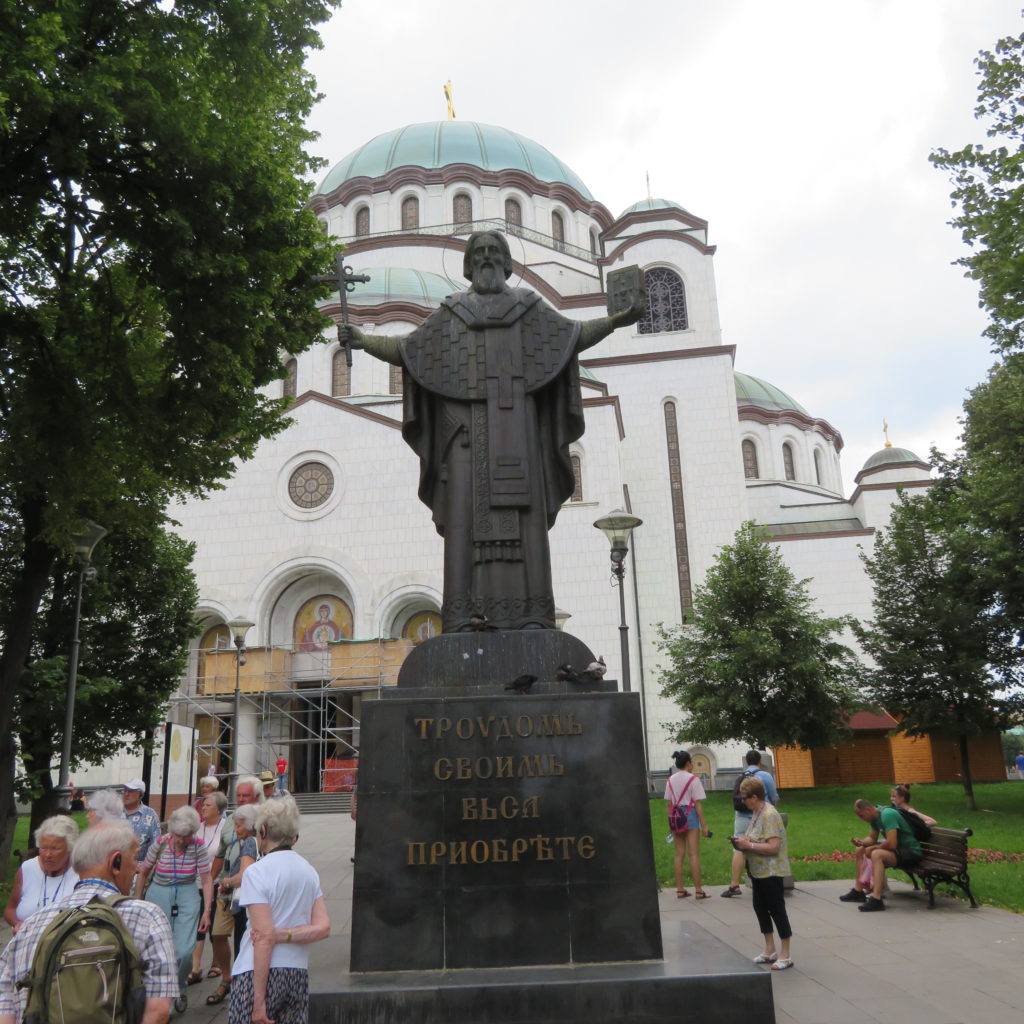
(800,130)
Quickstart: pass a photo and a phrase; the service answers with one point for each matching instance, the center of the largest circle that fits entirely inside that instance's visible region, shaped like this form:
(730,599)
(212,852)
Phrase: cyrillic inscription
(500,851)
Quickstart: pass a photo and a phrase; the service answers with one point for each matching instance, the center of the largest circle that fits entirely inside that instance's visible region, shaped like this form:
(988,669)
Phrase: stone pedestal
(455,662)
(504,870)
(498,831)
(700,979)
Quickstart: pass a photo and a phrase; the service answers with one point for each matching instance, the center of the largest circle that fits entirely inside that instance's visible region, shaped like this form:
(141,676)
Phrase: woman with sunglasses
(764,847)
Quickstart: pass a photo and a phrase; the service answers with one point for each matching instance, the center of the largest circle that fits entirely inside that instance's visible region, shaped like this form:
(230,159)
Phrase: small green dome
(887,456)
(651,204)
(440,143)
(399,284)
(754,391)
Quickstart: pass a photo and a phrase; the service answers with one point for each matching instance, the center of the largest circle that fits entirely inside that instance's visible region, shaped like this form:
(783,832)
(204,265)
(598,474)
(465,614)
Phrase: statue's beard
(488,279)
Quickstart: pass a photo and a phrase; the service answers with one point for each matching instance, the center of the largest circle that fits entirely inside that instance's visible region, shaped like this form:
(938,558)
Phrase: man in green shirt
(891,843)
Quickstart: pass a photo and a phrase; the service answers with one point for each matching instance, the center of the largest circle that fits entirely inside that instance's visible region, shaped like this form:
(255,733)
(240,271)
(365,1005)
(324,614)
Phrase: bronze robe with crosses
(492,403)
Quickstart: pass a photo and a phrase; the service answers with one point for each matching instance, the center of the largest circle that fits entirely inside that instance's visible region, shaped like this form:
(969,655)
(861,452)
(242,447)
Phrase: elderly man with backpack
(115,954)
(743,817)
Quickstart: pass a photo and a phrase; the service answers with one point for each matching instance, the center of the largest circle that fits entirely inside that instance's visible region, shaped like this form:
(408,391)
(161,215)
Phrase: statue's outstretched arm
(593,331)
(380,346)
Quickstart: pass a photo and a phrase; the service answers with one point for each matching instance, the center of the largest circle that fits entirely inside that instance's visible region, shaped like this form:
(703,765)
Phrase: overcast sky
(799,130)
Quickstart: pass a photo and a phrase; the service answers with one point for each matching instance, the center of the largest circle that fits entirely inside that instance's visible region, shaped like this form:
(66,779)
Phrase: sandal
(213,972)
(219,994)
(194,977)
(681,894)
(700,894)
(766,958)
(782,965)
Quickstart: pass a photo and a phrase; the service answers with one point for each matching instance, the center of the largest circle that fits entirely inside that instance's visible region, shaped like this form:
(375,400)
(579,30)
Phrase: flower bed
(973,857)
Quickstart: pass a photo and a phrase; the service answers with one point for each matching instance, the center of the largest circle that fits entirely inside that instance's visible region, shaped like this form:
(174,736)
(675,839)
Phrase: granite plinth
(700,979)
(491,657)
(503,831)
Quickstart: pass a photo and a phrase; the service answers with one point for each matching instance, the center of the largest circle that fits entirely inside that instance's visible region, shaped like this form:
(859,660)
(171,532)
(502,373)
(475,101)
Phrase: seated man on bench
(891,844)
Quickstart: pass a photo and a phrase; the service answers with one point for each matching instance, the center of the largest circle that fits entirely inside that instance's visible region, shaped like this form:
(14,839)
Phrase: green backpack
(86,969)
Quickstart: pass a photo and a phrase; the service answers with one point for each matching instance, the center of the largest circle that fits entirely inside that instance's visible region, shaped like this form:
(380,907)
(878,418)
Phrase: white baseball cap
(136,784)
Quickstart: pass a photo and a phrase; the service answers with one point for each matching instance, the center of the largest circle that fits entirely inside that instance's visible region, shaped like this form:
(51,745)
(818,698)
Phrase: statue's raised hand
(636,309)
(349,334)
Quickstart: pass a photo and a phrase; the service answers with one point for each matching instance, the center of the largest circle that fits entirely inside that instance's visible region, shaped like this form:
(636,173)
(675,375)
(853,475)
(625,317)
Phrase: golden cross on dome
(449,96)
(649,196)
(885,430)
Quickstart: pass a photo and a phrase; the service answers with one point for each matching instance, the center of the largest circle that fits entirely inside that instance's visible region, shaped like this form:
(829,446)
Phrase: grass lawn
(821,821)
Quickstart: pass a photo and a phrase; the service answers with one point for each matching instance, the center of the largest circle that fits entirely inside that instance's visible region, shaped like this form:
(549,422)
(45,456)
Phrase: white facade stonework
(371,543)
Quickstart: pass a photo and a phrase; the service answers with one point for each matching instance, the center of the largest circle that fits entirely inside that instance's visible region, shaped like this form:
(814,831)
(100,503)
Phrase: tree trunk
(965,768)
(23,605)
(46,803)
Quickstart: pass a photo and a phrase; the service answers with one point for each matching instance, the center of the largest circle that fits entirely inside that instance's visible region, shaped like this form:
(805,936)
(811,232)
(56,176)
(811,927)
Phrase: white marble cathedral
(322,545)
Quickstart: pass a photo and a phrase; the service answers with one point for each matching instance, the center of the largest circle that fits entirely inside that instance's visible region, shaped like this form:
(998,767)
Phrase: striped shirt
(172,867)
(147,924)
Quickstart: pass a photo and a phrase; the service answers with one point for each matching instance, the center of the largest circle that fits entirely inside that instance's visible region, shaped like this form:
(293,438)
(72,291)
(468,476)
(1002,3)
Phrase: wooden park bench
(944,859)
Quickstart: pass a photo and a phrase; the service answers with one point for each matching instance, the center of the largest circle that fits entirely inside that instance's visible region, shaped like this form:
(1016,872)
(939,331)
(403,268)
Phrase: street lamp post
(618,527)
(85,540)
(238,627)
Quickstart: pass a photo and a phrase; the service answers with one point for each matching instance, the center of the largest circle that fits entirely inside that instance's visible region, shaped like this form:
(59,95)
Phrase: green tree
(156,260)
(988,469)
(755,662)
(947,660)
(138,617)
(989,191)
(1013,744)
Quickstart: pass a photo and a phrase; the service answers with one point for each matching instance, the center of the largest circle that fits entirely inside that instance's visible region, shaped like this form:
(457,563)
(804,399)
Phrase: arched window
(291,378)
(363,220)
(341,375)
(818,475)
(595,245)
(513,214)
(666,302)
(462,209)
(410,213)
(787,461)
(577,476)
(749,459)
(557,226)
(395,380)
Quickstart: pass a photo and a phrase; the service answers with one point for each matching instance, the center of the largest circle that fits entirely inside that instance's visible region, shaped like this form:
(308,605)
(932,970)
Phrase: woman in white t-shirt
(685,792)
(281,892)
(47,878)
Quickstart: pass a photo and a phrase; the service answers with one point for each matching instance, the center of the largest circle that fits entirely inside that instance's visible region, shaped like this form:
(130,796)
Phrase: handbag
(678,820)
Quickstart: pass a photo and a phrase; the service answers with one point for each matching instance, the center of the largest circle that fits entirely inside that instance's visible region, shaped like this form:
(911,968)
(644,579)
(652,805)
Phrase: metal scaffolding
(297,702)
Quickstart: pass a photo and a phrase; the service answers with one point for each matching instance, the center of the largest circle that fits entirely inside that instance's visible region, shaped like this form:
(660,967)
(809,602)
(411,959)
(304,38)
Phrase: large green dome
(439,143)
(754,391)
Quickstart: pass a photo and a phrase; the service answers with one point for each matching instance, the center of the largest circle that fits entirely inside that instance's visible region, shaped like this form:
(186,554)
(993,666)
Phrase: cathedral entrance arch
(703,767)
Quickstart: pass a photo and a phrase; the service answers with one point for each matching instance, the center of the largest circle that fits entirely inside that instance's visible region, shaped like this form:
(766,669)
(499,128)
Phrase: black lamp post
(238,627)
(85,540)
(618,527)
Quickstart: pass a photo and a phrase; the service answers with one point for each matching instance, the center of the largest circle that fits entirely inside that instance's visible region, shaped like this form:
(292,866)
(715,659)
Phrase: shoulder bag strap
(681,795)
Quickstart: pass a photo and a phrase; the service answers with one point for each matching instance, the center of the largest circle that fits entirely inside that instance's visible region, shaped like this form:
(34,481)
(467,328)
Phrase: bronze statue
(492,403)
